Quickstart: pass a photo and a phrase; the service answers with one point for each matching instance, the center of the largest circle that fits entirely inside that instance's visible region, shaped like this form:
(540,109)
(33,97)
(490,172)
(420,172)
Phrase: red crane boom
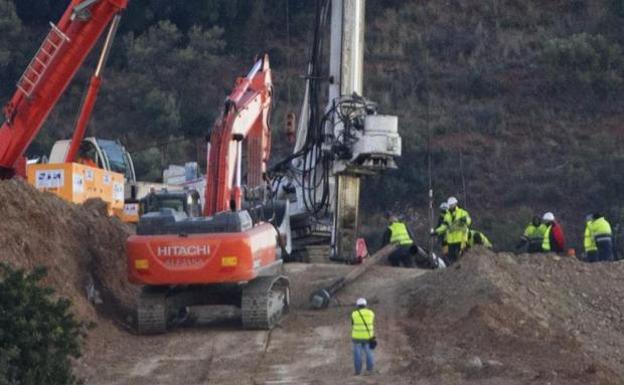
(47,76)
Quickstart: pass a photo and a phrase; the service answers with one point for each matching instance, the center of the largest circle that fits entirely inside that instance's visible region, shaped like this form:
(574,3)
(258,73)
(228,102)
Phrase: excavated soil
(83,249)
(506,319)
(490,319)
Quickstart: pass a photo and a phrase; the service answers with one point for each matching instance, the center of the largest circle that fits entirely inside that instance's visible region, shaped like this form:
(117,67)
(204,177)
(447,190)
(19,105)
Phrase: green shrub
(38,334)
(582,63)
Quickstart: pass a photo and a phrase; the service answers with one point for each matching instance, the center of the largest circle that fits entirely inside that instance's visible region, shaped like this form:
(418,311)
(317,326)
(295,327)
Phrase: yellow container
(129,213)
(76,183)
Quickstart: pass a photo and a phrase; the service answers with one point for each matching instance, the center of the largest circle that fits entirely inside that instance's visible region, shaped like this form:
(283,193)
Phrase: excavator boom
(245,117)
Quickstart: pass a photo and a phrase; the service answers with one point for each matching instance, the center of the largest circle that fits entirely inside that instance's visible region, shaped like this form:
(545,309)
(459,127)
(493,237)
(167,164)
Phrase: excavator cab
(186,201)
(106,154)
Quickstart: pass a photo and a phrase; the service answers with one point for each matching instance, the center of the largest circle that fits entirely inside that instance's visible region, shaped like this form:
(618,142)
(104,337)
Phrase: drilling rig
(336,144)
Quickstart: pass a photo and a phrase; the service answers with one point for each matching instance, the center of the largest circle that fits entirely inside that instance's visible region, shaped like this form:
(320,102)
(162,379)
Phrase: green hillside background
(522,98)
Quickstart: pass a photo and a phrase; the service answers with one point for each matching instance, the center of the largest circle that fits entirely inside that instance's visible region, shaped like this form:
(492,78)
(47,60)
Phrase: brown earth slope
(505,319)
(80,246)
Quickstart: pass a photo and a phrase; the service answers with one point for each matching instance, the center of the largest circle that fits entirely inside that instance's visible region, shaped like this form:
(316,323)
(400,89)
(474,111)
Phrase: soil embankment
(82,248)
(507,319)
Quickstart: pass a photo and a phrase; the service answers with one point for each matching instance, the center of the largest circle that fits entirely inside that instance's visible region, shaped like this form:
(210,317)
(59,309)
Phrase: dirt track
(310,347)
(492,319)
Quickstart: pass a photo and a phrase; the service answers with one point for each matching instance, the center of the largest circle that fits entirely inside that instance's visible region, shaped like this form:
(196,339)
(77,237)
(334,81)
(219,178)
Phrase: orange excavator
(231,256)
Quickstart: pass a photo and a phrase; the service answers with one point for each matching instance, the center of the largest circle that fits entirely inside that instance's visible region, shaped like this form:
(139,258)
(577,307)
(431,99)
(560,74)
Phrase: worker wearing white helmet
(456,225)
(554,239)
(363,336)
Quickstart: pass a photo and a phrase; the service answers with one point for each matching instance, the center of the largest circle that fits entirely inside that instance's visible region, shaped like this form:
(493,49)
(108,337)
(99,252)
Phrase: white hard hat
(549,217)
(360,302)
(443,206)
(452,201)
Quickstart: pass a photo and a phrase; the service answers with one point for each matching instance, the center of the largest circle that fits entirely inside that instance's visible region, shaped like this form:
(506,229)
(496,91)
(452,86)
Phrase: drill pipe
(321,297)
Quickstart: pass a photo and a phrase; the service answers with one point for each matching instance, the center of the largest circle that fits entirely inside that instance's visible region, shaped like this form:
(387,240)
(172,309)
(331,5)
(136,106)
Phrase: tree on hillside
(38,334)
(10,30)
(171,86)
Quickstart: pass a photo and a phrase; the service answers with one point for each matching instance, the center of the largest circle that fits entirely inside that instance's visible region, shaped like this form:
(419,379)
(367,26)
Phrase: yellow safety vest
(456,229)
(399,234)
(535,234)
(471,240)
(359,330)
(600,228)
(546,241)
(588,241)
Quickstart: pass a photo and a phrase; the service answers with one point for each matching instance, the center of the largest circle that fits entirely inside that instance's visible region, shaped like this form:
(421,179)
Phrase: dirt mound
(506,319)
(83,249)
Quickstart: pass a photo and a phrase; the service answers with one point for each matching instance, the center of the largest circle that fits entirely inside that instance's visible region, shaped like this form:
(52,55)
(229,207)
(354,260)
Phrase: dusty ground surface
(309,347)
(490,319)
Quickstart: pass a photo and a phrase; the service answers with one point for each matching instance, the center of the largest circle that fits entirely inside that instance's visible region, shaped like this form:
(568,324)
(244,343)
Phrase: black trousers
(534,247)
(454,251)
(592,256)
(605,250)
(402,256)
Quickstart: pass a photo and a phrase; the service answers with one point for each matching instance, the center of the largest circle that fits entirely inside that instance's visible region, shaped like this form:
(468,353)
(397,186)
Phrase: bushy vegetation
(584,63)
(522,97)
(38,333)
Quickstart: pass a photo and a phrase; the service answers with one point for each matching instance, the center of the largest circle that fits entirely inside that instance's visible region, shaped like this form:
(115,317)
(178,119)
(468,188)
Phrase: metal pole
(335,52)
(350,13)
(320,298)
(108,43)
(351,80)
(88,103)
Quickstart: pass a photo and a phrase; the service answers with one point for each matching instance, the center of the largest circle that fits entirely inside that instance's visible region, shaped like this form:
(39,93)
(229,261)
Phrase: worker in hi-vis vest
(554,239)
(456,226)
(533,236)
(399,234)
(363,336)
(442,237)
(476,237)
(598,239)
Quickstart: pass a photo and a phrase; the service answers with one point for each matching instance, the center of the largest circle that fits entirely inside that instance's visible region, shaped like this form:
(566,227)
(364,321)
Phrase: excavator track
(152,312)
(265,300)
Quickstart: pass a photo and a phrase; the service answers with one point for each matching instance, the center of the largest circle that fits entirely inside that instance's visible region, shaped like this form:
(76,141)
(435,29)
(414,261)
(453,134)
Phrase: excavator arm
(245,117)
(49,73)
